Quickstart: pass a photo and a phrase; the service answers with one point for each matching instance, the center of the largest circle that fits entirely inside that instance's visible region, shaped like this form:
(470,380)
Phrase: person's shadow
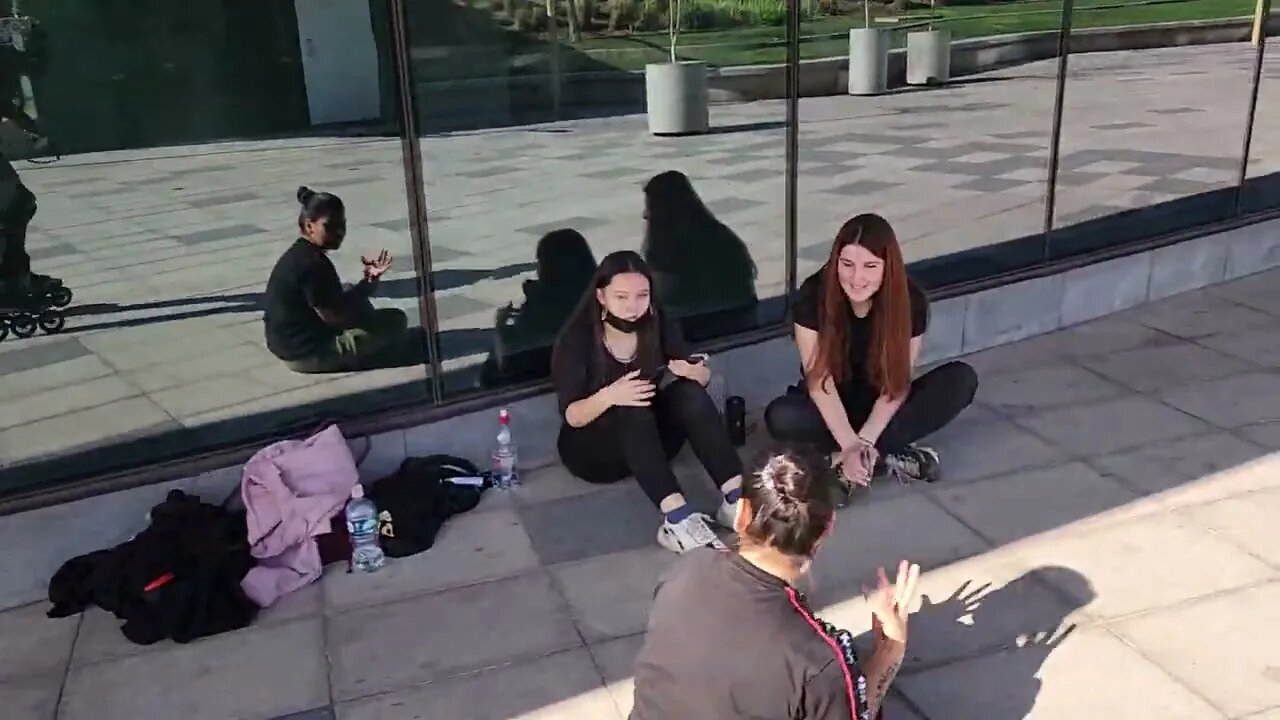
(524,334)
(1022,623)
(704,273)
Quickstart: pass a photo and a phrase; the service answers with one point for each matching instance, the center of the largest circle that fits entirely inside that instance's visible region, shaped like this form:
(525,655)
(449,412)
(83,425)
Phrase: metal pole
(415,190)
(1259,55)
(793,143)
(1055,136)
(553,42)
(1260,21)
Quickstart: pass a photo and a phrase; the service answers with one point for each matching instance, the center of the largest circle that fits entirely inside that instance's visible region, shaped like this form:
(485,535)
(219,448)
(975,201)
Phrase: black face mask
(628,326)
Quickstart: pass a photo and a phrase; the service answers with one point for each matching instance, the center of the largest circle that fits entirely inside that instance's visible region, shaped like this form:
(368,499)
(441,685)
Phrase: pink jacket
(291,490)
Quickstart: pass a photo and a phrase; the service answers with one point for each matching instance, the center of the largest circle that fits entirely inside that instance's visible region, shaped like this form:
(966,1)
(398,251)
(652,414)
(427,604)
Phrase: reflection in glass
(1262,183)
(1151,137)
(957,164)
(533,125)
(170,141)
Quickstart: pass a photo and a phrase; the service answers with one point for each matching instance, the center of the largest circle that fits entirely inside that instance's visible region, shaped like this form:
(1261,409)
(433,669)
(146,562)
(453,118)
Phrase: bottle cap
(357,492)
(504,416)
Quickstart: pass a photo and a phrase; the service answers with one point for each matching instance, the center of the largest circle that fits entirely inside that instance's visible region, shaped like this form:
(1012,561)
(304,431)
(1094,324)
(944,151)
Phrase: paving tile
(319,713)
(1222,647)
(1098,337)
(1247,519)
(864,537)
(616,660)
(552,482)
(260,674)
(221,233)
(1111,425)
(573,528)
(42,355)
(471,547)
(1084,683)
(1260,345)
(1005,509)
(1230,402)
(1154,368)
(31,697)
(1149,562)
(444,634)
(610,595)
(1192,469)
(564,685)
(976,449)
(69,398)
(100,638)
(34,644)
(1017,393)
(1266,434)
(1258,291)
(1197,314)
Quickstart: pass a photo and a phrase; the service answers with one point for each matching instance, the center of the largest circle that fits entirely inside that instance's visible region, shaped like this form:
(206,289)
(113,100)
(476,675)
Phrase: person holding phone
(631,393)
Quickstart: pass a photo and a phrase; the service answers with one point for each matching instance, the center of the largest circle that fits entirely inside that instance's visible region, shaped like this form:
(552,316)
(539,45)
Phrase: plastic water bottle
(362,523)
(504,454)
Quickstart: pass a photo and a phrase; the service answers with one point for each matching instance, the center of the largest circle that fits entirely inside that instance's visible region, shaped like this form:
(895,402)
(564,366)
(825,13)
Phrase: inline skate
(39,307)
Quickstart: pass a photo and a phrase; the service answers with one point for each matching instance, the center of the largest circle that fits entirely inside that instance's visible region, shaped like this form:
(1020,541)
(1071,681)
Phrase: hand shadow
(1011,630)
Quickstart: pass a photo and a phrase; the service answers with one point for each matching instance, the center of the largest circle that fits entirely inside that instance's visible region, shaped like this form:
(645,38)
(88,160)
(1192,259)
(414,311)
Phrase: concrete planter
(929,57)
(868,61)
(676,98)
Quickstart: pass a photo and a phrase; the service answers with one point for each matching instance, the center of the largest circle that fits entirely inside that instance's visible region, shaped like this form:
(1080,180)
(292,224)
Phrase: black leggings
(640,442)
(936,398)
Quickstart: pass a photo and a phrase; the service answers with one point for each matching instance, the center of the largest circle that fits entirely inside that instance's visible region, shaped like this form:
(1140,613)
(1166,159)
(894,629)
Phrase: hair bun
(305,194)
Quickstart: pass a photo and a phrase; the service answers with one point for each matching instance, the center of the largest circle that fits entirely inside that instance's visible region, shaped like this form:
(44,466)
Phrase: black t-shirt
(728,640)
(303,279)
(806,308)
(574,371)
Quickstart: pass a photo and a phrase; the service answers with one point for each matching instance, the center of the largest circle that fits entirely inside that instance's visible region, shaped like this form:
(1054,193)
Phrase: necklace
(618,356)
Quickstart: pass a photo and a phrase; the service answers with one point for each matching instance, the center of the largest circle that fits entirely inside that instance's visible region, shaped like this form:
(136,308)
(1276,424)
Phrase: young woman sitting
(859,323)
(731,637)
(631,393)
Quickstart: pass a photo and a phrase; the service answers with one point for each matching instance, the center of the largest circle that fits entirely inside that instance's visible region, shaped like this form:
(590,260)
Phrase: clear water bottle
(504,454)
(362,523)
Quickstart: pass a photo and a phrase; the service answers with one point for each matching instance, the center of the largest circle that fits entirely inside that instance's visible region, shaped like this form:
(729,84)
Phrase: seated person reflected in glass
(632,392)
(312,323)
(705,275)
(859,324)
(524,334)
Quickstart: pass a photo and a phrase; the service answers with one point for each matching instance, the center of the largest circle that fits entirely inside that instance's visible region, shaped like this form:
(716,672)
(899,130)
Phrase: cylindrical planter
(676,98)
(928,57)
(868,61)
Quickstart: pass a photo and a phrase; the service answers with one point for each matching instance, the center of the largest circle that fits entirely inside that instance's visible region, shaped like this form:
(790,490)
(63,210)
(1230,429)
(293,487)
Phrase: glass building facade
(499,148)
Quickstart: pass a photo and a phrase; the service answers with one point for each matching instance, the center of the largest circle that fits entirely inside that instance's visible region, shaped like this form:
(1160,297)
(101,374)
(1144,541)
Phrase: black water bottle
(735,417)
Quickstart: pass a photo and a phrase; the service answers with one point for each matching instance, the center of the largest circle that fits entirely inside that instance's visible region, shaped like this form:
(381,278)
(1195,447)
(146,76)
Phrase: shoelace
(903,468)
(697,530)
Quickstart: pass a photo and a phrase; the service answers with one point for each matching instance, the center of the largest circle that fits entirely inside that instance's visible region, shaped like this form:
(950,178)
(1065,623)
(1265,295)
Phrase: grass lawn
(761,45)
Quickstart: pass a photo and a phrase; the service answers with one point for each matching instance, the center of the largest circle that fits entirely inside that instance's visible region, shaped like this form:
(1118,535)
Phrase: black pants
(15,263)
(640,442)
(936,398)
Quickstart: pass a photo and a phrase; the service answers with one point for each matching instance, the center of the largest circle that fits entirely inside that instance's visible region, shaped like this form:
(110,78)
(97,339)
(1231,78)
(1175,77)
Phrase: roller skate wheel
(4,330)
(61,296)
(52,322)
(23,327)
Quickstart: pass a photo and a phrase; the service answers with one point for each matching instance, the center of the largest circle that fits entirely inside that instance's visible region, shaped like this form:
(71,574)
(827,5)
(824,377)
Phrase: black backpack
(414,502)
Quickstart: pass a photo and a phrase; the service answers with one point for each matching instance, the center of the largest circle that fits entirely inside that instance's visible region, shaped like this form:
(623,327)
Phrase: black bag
(414,503)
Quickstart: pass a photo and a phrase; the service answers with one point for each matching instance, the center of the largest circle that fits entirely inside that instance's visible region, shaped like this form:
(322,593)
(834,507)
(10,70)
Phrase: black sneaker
(916,462)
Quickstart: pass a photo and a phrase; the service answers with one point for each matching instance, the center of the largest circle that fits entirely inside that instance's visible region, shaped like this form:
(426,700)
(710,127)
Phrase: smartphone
(697,358)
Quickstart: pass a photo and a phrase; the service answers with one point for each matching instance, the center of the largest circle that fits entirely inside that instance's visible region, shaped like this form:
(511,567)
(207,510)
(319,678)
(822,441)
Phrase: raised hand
(375,267)
(630,390)
(891,604)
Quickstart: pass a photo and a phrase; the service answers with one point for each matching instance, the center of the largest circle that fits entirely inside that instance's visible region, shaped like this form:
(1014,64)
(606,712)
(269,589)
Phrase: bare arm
(886,407)
(583,412)
(823,391)
(881,670)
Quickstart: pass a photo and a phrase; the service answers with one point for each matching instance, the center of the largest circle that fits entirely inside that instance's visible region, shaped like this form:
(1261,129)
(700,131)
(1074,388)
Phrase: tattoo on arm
(876,698)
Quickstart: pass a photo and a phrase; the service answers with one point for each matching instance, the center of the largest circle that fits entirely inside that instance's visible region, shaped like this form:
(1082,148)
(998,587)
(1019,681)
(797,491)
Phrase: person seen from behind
(730,636)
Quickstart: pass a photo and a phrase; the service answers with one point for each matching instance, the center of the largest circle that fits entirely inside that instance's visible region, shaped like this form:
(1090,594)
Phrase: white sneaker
(688,534)
(727,515)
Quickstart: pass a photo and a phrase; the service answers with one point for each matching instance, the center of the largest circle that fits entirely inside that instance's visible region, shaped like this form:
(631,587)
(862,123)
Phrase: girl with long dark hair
(859,324)
(730,635)
(631,393)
